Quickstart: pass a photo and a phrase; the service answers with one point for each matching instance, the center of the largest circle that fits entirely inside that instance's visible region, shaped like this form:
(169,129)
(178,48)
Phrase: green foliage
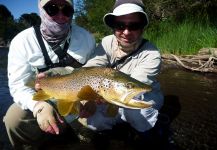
(6,21)
(10,27)
(92,17)
(184,38)
(176,26)
(29,20)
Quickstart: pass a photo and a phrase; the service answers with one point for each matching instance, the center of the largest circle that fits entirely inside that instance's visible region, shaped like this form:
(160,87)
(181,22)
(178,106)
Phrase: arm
(148,68)
(20,60)
(19,73)
(146,71)
(98,57)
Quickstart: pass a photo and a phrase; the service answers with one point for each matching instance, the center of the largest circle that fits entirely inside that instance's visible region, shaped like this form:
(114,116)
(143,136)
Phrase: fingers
(53,127)
(38,77)
(37,86)
(49,126)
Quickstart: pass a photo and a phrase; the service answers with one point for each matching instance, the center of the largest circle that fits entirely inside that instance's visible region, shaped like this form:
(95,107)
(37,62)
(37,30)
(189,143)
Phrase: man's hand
(47,117)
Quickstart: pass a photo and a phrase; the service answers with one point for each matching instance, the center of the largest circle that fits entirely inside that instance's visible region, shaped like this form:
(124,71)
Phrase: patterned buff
(50,30)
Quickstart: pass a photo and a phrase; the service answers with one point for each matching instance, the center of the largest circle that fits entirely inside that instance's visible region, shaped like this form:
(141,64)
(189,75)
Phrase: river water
(190,104)
(5,98)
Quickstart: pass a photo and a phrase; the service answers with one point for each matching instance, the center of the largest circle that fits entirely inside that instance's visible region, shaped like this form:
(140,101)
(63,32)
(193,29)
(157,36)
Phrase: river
(5,98)
(190,104)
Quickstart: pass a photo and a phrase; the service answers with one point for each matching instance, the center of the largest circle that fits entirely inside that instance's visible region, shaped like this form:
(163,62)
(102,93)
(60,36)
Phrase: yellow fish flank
(92,83)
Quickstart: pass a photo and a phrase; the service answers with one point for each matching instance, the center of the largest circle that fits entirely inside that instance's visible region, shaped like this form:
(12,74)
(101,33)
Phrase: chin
(126,44)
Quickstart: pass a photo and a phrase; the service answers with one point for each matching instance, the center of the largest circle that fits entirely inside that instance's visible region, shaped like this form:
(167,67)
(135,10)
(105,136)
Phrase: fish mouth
(135,95)
(135,100)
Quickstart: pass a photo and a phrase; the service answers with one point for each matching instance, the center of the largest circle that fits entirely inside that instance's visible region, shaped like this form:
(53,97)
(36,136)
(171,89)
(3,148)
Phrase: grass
(185,38)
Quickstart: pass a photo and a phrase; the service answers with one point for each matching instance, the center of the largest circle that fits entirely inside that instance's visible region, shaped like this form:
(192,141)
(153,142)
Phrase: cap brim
(122,10)
(109,18)
(44,2)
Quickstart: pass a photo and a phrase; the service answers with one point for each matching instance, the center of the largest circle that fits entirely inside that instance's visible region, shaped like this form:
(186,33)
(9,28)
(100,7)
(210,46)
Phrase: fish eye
(129,85)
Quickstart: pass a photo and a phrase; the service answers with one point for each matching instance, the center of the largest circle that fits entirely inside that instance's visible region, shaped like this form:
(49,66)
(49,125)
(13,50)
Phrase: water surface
(191,100)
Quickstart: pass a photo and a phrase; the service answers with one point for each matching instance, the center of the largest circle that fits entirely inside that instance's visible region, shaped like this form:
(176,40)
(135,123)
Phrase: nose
(126,31)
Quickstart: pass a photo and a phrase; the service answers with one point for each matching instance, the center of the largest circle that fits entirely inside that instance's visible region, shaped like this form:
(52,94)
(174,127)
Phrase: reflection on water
(190,103)
(195,126)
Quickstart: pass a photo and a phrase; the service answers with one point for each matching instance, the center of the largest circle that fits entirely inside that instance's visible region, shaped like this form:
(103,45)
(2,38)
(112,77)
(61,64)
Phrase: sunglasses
(53,9)
(133,26)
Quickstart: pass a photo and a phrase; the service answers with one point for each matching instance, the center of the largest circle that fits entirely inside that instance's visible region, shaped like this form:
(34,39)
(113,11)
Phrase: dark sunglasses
(133,26)
(53,9)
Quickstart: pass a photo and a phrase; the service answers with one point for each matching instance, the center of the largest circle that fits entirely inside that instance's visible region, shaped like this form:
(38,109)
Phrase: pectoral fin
(87,93)
(41,96)
(65,107)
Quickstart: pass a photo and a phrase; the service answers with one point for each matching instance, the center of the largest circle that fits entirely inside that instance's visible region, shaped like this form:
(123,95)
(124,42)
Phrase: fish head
(121,88)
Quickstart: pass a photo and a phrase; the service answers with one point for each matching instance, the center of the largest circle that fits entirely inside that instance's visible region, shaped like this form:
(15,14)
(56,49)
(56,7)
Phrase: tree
(91,16)
(29,20)
(6,22)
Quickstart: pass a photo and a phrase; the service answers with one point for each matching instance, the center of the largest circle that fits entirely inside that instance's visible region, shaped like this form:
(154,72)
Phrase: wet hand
(47,117)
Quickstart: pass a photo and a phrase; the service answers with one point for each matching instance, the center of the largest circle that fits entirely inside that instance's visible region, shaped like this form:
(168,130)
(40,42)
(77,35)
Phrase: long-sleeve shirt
(144,65)
(25,55)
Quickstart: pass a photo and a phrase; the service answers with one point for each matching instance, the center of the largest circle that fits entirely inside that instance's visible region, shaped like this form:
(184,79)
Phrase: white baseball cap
(43,2)
(125,7)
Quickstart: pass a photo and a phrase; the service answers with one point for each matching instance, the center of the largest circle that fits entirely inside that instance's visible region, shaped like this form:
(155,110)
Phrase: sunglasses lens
(53,9)
(131,26)
(135,26)
(119,26)
(67,11)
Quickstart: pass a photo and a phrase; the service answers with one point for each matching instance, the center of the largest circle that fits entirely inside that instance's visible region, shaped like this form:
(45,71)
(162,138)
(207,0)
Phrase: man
(56,43)
(127,51)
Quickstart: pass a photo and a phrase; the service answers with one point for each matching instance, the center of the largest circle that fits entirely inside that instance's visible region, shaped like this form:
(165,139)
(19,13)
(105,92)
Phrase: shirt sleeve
(147,68)
(19,73)
(98,58)
(146,72)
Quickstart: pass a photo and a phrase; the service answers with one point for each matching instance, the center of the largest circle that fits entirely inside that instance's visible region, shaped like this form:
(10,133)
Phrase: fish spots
(106,83)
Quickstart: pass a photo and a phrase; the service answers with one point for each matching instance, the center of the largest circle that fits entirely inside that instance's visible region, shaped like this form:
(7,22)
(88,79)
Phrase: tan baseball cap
(43,2)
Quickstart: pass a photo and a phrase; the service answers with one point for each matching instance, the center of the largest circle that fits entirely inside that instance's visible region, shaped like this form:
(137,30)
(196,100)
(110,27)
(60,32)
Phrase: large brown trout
(92,83)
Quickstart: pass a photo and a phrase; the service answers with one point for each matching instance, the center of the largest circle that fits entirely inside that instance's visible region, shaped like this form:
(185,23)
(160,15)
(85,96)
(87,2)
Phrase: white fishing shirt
(25,55)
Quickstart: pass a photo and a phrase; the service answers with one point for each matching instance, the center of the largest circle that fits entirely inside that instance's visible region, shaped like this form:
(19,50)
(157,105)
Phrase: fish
(91,83)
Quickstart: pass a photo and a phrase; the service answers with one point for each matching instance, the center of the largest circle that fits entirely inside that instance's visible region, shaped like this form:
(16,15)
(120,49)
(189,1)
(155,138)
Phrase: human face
(59,11)
(125,29)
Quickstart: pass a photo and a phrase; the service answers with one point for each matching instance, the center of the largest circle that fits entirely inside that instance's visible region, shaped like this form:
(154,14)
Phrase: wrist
(39,106)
